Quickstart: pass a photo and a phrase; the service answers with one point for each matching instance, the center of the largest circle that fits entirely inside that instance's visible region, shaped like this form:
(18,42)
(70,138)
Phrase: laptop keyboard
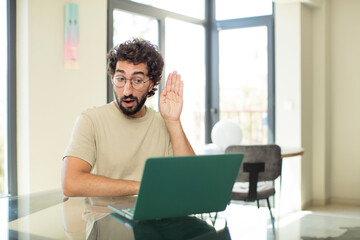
(130,210)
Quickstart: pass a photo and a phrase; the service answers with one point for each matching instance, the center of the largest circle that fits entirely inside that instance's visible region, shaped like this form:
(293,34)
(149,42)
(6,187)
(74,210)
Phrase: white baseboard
(354,202)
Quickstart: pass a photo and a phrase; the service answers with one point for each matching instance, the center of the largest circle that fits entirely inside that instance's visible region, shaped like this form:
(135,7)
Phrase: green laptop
(181,186)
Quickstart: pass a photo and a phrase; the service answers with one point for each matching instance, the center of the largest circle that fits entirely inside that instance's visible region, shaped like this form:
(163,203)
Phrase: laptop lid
(180,186)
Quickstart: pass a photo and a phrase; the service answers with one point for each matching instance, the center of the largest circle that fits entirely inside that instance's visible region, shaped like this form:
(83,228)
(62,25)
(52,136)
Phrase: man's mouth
(128,102)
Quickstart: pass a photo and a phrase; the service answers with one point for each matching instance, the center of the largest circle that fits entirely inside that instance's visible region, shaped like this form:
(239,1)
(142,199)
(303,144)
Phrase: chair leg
(268,203)
(271,216)
(258,204)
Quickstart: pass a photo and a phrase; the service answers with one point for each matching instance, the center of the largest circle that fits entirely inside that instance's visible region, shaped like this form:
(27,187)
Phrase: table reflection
(91,219)
(189,227)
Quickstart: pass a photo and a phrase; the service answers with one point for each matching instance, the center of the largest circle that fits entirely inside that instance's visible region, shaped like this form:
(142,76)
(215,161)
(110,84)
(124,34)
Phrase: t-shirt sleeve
(82,142)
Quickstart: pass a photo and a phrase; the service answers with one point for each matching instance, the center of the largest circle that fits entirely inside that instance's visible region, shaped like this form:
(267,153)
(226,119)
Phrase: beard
(130,110)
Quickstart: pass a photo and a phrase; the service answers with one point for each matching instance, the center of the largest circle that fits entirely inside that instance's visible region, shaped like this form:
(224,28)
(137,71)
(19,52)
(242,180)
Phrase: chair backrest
(269,154)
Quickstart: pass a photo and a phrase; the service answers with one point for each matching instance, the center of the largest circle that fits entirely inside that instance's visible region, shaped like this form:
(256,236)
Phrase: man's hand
(171,104)
(171,98)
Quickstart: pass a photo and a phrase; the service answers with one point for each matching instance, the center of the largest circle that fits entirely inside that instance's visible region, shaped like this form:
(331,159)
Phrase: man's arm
(77,181)
(171,103)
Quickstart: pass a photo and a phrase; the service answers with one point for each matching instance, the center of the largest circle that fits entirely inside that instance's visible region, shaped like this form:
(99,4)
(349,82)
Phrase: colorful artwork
(71,36)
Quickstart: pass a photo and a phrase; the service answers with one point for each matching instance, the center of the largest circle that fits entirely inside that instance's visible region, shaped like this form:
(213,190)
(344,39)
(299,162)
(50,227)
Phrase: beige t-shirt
(116,145)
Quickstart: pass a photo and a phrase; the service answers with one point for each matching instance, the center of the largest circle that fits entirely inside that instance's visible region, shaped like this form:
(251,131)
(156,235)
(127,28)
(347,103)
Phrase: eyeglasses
(136,82)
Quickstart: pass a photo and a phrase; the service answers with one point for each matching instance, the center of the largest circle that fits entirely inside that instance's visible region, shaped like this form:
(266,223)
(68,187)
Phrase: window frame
(212,28)
(11,100)
(268,22)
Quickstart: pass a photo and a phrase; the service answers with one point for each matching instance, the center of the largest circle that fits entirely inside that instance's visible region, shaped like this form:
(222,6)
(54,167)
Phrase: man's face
(131,100)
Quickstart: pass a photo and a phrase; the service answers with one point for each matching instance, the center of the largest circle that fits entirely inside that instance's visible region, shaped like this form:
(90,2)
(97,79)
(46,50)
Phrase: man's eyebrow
(134,73)
(139,72)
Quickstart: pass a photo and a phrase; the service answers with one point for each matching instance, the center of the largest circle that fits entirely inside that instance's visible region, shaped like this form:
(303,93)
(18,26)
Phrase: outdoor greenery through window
(3,89)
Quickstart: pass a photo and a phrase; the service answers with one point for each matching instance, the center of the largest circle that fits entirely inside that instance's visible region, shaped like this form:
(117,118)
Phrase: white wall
(321,104)
(49,97)
(345,99)
(288,98)
(307,100)
(317,62)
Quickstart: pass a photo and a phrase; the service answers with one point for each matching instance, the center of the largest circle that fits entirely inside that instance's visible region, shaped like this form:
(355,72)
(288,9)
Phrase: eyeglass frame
(131,81)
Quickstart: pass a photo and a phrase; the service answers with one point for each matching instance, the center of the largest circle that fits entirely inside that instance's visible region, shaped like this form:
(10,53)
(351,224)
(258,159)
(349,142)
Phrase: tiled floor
(338,222)
(333,222)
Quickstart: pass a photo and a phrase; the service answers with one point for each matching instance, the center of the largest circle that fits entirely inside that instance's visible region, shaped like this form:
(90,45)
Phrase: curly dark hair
(138,51)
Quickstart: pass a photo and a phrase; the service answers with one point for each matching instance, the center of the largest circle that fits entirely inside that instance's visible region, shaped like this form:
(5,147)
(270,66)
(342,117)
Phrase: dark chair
(261,163)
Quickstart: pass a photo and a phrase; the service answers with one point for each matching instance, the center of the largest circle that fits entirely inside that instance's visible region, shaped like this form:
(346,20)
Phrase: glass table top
(52,216)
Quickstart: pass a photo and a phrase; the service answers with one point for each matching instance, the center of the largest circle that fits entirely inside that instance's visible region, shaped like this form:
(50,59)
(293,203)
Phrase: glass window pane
(185,53)
(3,91)
(243,66)
(229,9)
(128,25)
(191,8)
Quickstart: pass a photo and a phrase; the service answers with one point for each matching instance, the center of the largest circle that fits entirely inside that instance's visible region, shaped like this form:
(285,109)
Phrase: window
(246,67)
(230,9)
(223,50)
(127,25)
(178,45)
(245,78)
(191,8)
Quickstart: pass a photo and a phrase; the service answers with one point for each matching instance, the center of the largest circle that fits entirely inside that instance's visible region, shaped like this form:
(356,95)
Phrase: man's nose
(128,88)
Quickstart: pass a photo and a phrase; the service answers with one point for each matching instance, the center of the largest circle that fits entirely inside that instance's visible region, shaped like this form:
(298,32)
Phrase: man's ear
(151,86)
